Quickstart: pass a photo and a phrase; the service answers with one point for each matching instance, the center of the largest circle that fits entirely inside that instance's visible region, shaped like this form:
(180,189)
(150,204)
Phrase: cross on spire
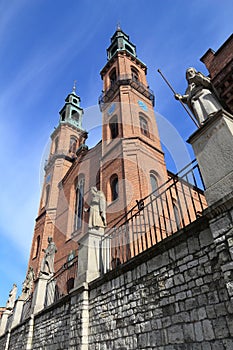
(74,86)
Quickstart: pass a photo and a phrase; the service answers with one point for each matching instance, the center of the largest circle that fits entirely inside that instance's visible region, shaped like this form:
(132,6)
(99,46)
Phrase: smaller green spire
(71,112)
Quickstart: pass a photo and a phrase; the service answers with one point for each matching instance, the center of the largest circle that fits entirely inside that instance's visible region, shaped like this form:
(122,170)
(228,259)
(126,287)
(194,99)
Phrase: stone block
(180,296)
(157,262)
(201,313)
(205,238)
(219,226)
(202,300)
(178,279)
(208,330)
(220,328)
(155,339)
(175,334)
(229,319)
(193,245)
(189,335)
(228,343)
(198,331)
(181,250)
(143,340)
(206,346)
(190,304)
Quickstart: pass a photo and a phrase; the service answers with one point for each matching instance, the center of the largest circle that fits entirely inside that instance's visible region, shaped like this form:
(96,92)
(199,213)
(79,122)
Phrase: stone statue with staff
(200,96)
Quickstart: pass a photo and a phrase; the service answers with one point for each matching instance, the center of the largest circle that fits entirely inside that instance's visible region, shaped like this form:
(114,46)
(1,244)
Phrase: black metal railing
(127,79)
(171,207)
(62,281)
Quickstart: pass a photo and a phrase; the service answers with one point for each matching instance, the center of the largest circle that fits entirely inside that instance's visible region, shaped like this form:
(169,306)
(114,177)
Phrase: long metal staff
(179,100)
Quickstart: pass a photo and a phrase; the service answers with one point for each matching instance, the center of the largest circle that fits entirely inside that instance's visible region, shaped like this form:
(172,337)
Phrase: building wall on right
(220,67)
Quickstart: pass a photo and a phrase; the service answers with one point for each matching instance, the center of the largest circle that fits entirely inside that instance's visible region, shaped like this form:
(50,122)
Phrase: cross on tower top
(74,86)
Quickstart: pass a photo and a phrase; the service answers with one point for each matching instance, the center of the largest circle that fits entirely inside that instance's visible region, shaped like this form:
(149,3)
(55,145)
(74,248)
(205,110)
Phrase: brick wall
(220,65)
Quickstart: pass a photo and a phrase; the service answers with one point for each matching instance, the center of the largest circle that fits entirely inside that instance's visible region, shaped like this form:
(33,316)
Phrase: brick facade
(220,67)
(130,155)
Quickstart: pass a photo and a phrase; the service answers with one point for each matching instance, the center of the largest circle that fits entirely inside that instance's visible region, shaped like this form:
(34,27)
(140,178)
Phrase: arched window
(114,187)
(70,284)
(112,76)
(113,50)
(128,48)
(135,75)
(75,115)
(63,116)
(153,183)
(47,192)
(97,180)
(113,125)
(73,144)
(37,246)
(56,145)
(144,125)
(79,201)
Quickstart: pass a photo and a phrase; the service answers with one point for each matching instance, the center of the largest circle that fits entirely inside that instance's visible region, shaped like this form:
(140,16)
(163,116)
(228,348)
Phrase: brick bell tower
(65,140)
(132,162)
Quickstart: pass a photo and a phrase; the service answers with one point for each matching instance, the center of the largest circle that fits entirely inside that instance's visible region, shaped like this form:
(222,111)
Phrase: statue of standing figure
(47,265)
(200,96)
(11,299)
(28,283)
(97,217)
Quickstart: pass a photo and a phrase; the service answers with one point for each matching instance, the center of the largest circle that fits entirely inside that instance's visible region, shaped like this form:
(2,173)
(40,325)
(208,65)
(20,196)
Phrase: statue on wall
(47,266)
(200,96)
(11,299)
(28,283)
(97,217)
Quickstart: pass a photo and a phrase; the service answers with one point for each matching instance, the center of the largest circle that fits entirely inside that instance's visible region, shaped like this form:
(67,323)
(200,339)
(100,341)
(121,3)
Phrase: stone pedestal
(3,321)
(18,309)
(89,257)
(39,294)
(213,148)
(50,292)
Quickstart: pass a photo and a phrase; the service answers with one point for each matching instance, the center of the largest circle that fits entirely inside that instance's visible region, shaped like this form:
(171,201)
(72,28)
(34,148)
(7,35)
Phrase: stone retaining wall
(175,296)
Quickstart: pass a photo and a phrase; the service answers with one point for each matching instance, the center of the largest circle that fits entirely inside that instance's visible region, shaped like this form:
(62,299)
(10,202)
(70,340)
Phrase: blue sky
(45,46)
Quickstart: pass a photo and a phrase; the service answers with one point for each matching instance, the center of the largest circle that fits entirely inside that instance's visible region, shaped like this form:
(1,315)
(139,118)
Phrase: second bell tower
(65,141)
